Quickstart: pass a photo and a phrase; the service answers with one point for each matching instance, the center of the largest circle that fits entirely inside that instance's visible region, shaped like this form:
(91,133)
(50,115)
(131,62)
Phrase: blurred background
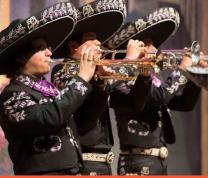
(189,155)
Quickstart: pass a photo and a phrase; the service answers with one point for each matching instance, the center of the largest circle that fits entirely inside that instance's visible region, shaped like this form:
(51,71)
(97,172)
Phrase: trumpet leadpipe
(112,51)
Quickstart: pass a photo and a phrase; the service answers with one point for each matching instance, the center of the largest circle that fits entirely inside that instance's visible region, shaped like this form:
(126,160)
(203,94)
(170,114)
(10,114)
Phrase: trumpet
(159,60)
(171,56)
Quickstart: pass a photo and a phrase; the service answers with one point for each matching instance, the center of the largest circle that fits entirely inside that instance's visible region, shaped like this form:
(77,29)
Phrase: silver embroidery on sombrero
(33,22)
(111,4)
(164,14)
(158,16)
(13,34)
(88,10)
(102,5)
(126,33)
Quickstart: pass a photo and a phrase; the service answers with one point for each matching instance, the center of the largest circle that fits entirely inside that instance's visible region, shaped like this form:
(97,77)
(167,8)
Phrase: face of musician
(38,63)
(88,40)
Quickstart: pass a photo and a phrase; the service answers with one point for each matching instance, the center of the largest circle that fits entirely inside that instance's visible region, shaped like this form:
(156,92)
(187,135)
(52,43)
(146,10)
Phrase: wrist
(84,77)
(182,67)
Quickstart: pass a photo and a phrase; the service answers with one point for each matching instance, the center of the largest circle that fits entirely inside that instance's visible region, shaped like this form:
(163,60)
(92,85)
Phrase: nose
(48,51)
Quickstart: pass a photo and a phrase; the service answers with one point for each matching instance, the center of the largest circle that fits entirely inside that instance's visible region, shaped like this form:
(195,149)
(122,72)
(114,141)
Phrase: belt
(160,152)
(108,158)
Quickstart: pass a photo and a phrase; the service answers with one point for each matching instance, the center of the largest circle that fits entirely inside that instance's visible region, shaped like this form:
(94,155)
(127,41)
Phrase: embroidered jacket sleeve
(61,74)
(172,88)
(187,99)
(41,116)
(89,112)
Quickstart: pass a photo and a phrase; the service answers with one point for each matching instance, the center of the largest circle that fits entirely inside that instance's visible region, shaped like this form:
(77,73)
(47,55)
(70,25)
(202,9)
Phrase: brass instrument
(157,61)
(173,57)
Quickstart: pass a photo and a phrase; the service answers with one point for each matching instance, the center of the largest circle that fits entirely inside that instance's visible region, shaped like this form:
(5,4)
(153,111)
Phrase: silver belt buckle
(110,157)
(163,152)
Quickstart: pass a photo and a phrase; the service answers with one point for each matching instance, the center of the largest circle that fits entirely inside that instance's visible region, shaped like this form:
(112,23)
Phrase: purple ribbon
(46,88)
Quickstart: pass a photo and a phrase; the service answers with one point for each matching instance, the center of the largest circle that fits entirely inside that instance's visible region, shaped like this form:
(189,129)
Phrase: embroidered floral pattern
(45,143)
(134,128)
(34,22)
(176,81)
(101,6)
(130,30)
(79,86)
(15,105)
(63,78)
(88,10)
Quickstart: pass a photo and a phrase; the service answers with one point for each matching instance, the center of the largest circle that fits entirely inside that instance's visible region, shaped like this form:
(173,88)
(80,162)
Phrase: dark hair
(77,38)
(20,60)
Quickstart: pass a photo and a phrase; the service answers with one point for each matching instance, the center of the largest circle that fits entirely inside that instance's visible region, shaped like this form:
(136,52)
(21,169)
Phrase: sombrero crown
(158,26)
(103,17)
(54,23)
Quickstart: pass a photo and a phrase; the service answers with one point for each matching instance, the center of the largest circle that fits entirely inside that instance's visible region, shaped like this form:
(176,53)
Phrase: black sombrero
(54,23)
(158,27)
(104,17)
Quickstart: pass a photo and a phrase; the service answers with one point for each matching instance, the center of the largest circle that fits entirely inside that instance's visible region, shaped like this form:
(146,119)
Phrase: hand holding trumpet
(87,65)
(140,59)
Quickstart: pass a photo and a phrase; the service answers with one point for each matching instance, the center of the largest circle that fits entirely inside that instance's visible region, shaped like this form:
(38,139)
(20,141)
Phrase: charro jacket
(93,122)
(92,117)
(38,123)
(139,106)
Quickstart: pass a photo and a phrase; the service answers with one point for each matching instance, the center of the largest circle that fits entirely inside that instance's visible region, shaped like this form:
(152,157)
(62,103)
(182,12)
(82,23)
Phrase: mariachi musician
(36,117)
(92,117)
(141,106)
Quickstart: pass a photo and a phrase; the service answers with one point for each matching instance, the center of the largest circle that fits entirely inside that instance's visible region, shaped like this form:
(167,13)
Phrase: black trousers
(96,168)
(72,171)
(141,165)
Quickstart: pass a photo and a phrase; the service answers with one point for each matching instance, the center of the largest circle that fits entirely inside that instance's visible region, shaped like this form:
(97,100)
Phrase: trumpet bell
(195,52)
(197,70)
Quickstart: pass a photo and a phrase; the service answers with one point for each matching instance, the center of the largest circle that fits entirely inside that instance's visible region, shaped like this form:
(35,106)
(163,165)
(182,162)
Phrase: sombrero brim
(104,20)
(158,28)
(158,33)
(55,28)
